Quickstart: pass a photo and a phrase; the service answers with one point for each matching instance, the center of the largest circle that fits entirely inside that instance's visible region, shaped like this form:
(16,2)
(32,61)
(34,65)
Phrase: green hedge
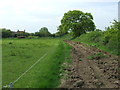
(108,40)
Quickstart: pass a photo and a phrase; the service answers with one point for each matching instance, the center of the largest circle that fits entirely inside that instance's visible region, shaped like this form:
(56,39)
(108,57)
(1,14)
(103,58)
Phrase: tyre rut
(85,73)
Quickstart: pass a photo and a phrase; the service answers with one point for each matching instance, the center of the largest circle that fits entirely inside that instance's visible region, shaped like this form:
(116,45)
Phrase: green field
(19,54)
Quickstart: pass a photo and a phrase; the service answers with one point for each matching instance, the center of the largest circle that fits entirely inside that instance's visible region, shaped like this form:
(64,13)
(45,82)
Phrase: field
(57,65)
(20,54)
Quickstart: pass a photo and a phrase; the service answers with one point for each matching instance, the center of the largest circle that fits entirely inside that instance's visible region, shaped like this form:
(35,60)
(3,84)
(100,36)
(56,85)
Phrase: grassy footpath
(20,54)
(50,75)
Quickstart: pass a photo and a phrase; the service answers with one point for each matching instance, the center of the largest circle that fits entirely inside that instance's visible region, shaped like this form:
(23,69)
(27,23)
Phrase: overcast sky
(31,15)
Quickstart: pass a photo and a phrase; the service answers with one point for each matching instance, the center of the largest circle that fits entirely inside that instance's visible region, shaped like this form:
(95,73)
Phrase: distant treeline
(75,23)
(43,32)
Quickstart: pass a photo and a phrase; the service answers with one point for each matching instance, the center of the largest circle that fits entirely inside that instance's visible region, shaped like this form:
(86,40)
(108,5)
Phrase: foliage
(98,30)
(94,36)
(111,37)
(60,32)
(77,23)
(111,32)
(96,56)
(43,32)
(107,40)
(80,59)
(6,33)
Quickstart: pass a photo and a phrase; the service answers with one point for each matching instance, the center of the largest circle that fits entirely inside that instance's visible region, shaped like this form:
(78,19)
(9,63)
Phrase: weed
(13,54)
(80,59)
(118,69)
(10,43)
(97,56)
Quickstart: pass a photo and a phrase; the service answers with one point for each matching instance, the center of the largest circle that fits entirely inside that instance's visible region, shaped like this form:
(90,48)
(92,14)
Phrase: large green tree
(43,32)
(77,23)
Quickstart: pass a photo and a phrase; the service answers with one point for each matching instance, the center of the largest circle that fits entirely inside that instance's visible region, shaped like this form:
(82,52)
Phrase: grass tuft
(96,56)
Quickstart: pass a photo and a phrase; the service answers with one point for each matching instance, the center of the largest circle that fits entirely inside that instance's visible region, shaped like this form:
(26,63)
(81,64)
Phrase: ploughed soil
(91,68)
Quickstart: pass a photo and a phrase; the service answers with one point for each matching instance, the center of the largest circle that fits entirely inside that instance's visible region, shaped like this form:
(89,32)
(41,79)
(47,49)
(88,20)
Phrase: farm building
(19,34)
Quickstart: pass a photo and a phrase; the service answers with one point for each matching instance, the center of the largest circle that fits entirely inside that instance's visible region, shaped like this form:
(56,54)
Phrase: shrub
(108,40)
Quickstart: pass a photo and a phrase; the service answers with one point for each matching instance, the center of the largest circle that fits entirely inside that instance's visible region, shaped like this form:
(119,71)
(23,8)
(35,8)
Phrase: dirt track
(100,72)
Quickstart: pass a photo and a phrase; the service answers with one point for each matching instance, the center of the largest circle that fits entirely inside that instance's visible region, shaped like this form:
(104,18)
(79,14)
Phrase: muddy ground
(91,68)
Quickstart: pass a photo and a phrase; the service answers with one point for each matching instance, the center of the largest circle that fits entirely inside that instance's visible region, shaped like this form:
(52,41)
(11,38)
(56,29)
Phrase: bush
(108,40)
(6,33)
(94,36)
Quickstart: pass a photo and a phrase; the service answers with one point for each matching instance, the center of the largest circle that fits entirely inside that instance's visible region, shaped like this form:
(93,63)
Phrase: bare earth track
(85,73)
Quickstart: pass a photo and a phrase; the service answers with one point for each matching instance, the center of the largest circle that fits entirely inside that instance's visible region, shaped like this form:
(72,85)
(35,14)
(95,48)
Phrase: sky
(31,15)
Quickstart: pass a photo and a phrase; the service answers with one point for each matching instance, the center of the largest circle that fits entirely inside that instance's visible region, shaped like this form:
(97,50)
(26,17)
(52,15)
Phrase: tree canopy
(77,23)
(43,32)
(6,33)
(112,32)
